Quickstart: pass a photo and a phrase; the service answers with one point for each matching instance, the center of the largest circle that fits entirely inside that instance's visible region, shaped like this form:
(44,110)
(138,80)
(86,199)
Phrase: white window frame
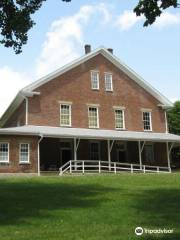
(123,115)
(105,75)
(92,72)
(70,113)
(8,153)
(97,108)
(150,120)
(99,149)
(20,161)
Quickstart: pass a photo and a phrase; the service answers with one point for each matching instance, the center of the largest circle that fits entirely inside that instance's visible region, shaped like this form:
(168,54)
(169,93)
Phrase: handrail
(101,166)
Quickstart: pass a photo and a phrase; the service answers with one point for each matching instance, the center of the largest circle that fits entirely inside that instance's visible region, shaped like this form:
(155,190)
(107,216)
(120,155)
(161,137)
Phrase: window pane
(95,151)
(93,117)
(24,152)
(94,80)
(147,120)
(4,152)
(65,115)
(119,121)
(108,82)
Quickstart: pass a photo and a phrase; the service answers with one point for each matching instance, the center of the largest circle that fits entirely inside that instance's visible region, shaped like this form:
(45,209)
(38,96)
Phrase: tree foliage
(152,9)
(174,118)
(16,21)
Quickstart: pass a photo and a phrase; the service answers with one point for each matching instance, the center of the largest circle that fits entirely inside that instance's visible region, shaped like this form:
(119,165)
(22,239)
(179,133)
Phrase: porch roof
(61,132)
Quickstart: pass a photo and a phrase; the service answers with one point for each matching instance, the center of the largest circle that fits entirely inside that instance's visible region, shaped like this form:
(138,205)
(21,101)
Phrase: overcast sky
(62,29)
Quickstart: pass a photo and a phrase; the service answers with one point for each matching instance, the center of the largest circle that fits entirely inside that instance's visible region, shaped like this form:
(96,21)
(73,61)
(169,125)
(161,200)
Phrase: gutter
(25,95)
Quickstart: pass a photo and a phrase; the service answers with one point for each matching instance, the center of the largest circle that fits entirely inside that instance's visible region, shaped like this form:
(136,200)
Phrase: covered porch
(56,146)
(55,153)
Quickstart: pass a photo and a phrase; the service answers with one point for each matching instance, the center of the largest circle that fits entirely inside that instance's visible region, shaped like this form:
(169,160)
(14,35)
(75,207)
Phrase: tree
(16,21)
(152,9)
(174,127)
(174,118)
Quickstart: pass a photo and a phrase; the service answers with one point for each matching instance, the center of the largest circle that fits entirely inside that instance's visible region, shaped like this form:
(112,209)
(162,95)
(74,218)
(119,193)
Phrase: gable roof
(29,90)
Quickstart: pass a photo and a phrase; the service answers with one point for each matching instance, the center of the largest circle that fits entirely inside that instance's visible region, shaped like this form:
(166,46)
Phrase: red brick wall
(14,165)
(75,86)
(18,117)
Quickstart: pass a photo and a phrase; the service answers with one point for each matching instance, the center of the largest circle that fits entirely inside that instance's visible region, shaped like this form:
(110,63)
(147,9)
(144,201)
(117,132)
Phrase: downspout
(26,100)
(26,106)
(166,121)
(41,138)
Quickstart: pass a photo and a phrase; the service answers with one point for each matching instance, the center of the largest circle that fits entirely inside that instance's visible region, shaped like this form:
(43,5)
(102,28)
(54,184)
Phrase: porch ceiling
(59,132)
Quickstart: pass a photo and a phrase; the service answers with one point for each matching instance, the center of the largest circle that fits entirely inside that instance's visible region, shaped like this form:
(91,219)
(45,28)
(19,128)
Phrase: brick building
(95,108)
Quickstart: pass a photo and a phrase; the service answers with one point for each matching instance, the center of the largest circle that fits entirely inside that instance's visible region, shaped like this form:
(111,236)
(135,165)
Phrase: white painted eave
(29,90)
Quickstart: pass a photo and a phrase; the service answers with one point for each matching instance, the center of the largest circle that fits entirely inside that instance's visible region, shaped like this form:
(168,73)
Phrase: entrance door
(121,156)
(149,153)
(121,152)
(65,156)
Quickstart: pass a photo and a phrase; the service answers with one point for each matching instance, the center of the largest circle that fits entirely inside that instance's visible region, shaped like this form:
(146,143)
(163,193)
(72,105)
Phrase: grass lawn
(89,207)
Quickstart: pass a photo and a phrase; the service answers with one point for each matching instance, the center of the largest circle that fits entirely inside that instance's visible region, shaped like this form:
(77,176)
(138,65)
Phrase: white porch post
(75,154)
(109,154)
(75,150)
(140,155)
(76,145)
(168,150)
(110,146)
(39,173)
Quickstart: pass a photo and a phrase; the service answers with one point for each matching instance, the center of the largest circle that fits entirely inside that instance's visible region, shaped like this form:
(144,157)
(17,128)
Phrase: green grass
(89,207)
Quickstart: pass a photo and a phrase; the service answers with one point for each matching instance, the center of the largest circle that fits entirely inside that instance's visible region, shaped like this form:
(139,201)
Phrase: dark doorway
(66,156)
(121,156)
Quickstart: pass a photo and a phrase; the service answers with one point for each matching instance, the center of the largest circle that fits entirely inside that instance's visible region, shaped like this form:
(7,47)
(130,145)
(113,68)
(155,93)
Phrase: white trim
(101,50)
(123,115)
(27,110)
(20,161)
(150,119)
(70,117)
(65,102)
(113,59)
(119,107)
(166,122)
(8,151)
(91,106)
(146,109)
(95,71)
(105,74)
(39,167)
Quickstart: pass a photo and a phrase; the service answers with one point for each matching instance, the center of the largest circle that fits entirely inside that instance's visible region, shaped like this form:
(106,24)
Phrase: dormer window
(95,80)
(108,82)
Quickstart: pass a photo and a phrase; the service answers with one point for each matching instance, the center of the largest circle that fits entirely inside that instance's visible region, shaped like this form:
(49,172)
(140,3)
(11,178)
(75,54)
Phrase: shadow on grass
(161,209)
(22,200)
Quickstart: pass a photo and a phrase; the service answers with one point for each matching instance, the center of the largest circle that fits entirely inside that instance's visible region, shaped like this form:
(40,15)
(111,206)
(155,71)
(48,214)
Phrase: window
(65,115)
(147,121)
(94,80)
(24,153)
(95,151)
(93,117)
(108,82)
(119,119)
(4,152)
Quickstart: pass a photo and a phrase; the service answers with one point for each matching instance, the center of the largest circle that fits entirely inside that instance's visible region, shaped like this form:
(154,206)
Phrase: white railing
(83,166)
